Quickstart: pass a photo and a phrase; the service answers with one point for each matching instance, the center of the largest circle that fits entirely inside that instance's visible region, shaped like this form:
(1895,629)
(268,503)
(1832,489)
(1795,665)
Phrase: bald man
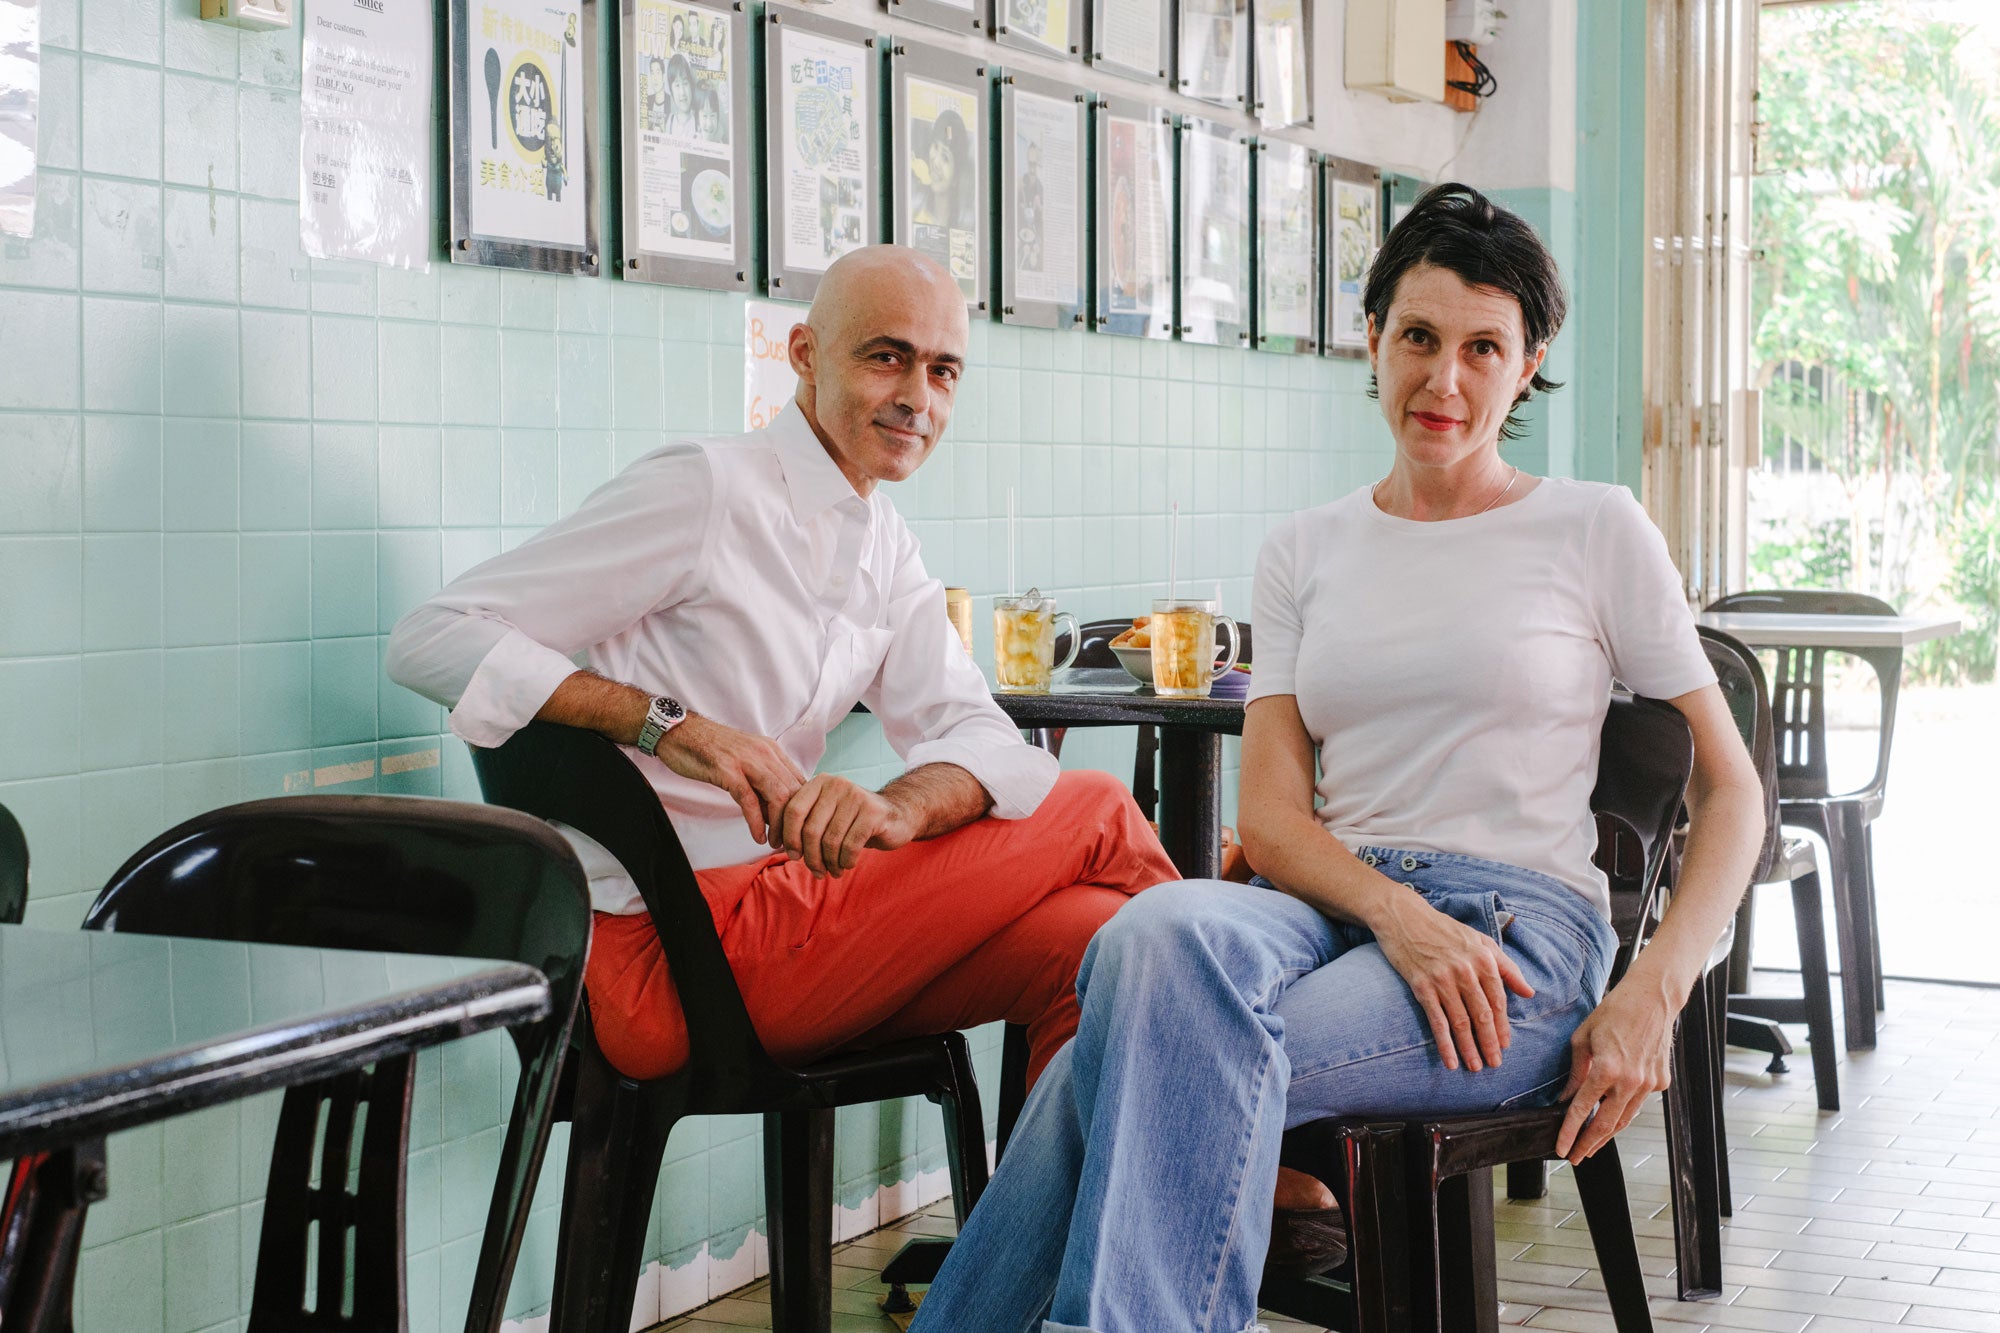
(734,597)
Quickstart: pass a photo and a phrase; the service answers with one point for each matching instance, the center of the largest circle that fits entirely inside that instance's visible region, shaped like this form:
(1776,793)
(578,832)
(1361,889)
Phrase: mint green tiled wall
(225,471)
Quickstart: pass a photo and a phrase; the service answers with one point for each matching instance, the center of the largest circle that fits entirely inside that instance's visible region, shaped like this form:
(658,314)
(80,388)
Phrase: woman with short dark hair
(1427,933)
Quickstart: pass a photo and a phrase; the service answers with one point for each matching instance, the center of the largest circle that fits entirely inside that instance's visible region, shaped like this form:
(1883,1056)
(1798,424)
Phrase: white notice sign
(364,127)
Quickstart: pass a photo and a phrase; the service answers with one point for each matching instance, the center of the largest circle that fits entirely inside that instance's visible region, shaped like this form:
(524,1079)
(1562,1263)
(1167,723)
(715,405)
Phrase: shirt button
(1369,859)
(1409,863)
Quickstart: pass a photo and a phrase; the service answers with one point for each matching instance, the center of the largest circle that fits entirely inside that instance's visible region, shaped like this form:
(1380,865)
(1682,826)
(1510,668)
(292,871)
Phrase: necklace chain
(1376,491)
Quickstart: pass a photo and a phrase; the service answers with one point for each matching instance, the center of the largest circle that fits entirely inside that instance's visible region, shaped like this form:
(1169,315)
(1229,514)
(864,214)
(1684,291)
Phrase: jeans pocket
(1481,911)
(1542,1094)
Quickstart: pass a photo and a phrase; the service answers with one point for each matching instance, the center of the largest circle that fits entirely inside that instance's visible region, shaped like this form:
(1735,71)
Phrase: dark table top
(103,1031)
(1102,697)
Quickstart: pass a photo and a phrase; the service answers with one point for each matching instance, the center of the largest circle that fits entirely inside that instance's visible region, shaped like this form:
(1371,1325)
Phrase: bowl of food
(1134,650)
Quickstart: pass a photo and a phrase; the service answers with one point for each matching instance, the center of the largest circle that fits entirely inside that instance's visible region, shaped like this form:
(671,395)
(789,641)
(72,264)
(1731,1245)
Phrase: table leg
(1191,800)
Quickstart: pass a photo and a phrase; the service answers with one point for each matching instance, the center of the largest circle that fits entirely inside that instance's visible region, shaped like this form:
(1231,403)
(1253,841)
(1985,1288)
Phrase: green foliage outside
(1877,310)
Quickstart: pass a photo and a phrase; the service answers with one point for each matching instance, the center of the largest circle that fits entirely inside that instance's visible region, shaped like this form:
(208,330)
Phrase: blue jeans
(1136,1191)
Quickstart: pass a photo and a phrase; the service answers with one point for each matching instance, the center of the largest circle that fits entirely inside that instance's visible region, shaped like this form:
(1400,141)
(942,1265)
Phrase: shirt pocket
(853,657)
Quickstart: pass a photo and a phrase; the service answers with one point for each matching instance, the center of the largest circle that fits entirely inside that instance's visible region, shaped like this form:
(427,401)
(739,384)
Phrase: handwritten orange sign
(768,381)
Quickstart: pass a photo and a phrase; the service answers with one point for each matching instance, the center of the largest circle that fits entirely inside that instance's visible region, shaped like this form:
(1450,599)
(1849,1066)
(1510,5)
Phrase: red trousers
(988,922)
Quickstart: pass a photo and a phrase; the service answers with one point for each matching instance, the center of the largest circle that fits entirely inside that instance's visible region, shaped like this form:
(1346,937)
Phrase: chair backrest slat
(1645,756)
(1741,679)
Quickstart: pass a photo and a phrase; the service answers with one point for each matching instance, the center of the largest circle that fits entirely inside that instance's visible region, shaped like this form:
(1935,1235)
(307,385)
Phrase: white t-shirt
(1455,675)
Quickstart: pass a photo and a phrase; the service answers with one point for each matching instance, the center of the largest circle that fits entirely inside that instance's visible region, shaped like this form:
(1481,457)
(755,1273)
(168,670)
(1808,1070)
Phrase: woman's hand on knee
(1459,976)
(1620,1055)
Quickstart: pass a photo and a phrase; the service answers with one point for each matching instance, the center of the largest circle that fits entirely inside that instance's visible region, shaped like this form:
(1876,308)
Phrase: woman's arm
(1623,1051)
(1459,975)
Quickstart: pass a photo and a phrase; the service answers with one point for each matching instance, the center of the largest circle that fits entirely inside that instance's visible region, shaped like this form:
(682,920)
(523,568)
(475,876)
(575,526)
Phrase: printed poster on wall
(943,178)
(1045,22)
(1354,232)
(1046,231)
(1285,239)
(530,149)
(824,173)
(768,379)
(20,95)
(1127,34)
(364,132)
(686,179)
(1138,226)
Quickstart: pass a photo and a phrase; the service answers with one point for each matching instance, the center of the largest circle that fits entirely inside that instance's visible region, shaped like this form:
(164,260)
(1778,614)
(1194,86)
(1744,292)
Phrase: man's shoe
(1306,1242)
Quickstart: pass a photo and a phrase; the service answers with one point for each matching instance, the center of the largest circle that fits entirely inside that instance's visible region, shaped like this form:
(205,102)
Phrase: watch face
(671,709)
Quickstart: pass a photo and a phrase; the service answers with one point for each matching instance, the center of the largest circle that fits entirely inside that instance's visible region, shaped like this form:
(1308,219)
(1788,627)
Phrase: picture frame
(1214,271)
(823,174)
(1213,46)
(1350,234)
(950,15)
(527,198)
(1046,27)
(684,120)
(1133,39)
(1134,209)
(939,135)
(1044,259)
(1286,318)
(1282,65)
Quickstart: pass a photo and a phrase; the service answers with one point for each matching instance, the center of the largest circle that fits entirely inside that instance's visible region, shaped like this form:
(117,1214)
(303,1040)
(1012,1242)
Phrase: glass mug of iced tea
(1024,642)
(1183,630)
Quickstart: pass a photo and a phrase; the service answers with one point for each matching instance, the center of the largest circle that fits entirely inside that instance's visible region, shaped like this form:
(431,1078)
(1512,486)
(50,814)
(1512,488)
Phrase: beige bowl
(1138,663)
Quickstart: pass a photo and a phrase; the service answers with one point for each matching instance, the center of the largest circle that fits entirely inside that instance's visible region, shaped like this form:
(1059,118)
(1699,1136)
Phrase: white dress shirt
(743,576)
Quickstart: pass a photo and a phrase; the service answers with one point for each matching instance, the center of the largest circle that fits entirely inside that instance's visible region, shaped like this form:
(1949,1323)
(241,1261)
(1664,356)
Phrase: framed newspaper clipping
(823,173)
(967,16)
(1214,62)
(1048,27)
(1215,292)
(1281,75)
(1042,202)
(1135,219)
(523,192)
(1132,38)
(685,122)
(1287,237)
(1350,236)
(939,136)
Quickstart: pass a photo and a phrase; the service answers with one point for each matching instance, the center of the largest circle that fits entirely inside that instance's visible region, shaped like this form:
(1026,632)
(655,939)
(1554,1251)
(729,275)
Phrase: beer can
(958,605)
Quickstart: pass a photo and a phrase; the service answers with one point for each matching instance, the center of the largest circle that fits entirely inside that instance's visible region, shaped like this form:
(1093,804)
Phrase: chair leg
(1013,1086)
(1691,1153)
(1528,1180)
(615,1147)
(1376,1225)
(1600,1183)
(1818,986)
(1866,867)
(1718,1041)
(1468,1289)
(964,1130)
(1850,927)
(798,1206)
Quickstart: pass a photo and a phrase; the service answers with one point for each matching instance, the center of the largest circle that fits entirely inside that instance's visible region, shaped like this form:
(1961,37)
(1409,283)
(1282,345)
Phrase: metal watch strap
(663,714)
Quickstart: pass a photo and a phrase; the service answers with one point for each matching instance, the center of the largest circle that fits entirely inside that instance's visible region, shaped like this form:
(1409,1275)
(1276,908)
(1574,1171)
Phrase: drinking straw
(1173,544)
(1012,528)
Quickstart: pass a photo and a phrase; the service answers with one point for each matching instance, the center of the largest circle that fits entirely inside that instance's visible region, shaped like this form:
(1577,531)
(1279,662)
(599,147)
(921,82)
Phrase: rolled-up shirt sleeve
(496,642)
(935,706)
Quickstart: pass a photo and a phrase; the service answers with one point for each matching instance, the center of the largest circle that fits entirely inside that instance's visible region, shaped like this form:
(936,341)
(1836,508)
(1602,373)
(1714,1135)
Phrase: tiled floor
(1883,1215)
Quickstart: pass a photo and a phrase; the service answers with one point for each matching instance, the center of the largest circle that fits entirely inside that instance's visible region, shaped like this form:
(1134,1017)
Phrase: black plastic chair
(13,869)
(1753,1019)
(620,1125)
(1805,797)
(1419,1195)
(408,874)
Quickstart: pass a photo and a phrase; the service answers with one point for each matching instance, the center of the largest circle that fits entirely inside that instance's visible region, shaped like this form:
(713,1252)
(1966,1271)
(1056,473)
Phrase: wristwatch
(662,716)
